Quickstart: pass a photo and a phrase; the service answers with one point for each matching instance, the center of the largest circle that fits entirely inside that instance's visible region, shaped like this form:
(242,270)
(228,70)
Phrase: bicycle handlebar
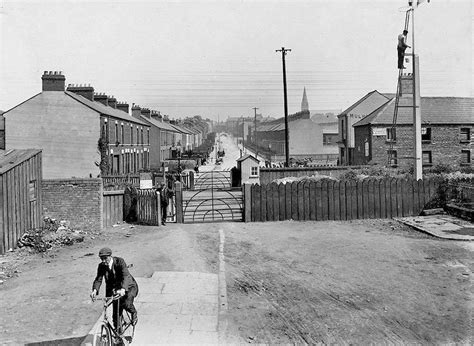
(106,299)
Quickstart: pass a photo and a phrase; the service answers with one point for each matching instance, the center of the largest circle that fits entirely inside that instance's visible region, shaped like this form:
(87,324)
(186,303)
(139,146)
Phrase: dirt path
(48,300)
(347,282)
(371,281)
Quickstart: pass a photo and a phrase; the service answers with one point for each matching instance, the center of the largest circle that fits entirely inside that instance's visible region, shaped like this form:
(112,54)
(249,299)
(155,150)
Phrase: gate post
(247,203)
(158,204)
(191,180)
(179,202)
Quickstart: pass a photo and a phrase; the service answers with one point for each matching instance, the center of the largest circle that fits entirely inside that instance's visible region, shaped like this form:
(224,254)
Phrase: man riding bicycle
(117,280)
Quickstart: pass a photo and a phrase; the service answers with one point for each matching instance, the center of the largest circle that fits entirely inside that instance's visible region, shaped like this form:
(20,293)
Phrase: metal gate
(213,199)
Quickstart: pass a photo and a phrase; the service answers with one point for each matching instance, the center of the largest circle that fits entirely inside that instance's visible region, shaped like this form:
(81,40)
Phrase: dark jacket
(117,278)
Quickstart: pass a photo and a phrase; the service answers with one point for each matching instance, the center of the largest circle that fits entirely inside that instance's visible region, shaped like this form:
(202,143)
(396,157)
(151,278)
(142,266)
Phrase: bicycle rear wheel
(102,336)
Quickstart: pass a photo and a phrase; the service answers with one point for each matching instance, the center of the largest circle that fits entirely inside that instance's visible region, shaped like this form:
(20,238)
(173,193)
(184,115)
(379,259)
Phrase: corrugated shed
(13,157)
(434,110)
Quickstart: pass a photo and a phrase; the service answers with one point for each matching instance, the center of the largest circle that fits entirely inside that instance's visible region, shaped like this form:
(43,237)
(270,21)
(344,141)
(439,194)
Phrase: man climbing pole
(401,47)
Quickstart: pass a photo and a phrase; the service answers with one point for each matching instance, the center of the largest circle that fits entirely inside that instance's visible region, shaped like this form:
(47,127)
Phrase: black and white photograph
(229,172)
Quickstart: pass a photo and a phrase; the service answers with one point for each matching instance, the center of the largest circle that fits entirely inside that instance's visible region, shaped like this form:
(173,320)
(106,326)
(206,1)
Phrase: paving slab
(441,226)
(176,308)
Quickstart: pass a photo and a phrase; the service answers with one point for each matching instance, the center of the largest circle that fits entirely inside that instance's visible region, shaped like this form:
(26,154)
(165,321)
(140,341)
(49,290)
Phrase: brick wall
(77,200)
(445,145)
(267,175)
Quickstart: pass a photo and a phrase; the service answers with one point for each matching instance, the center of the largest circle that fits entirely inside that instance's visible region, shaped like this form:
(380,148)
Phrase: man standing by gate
(165,195)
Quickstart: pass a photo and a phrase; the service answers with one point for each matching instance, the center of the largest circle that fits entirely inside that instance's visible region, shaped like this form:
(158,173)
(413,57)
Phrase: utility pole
(287,144)
(418,164)
(255,132)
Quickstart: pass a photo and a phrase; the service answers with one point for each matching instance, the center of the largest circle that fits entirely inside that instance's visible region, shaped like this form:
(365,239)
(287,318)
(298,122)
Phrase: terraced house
(82,134)
(447,125)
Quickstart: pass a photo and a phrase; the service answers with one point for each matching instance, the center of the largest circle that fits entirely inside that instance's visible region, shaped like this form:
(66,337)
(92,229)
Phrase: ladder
(397,101)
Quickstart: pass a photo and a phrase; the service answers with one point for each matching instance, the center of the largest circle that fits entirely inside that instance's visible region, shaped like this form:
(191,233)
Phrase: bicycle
(105,333)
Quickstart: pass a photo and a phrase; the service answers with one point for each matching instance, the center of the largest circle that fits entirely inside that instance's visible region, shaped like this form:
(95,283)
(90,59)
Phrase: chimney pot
(53,82)
(123,106)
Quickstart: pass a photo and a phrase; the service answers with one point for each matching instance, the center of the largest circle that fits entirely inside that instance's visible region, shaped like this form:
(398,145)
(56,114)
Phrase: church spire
(304,102)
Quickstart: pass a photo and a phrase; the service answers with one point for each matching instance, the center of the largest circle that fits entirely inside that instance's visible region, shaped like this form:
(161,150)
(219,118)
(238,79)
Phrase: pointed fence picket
(148,210)
(340,200)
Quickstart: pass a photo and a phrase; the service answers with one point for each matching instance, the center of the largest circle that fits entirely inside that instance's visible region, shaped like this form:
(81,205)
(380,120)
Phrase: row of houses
(369,135)
(86,134)
(365,133)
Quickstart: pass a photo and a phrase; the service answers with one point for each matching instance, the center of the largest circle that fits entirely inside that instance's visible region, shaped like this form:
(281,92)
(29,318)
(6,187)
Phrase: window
(343,130)
(123,135)
(366,148)
(426,158)
(329,139)
(391,134)
(426,134)
(131,134)
(465,157)
(32,190)
(148,137)
(106,126)
(142,136)
(116,164)
(465,134)
(392,157)
(116,133)
(138,136)
(254,170)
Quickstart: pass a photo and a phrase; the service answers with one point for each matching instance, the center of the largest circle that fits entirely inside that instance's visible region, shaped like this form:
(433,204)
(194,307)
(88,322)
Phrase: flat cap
(105,251)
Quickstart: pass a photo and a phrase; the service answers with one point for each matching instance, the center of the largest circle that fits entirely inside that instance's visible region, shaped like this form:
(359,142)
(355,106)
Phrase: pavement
(175,308)
(441,226)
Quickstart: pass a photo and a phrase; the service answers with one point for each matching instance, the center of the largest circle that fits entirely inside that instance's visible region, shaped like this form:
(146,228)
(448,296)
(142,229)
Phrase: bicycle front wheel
(102,336)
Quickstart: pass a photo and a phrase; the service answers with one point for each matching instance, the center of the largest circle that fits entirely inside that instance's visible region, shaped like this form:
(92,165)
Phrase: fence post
(191,180)
(247,203)
(158,204)
(179,202)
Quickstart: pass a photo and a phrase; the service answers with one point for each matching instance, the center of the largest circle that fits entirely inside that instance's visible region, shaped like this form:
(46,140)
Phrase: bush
(441,168)
(348,175)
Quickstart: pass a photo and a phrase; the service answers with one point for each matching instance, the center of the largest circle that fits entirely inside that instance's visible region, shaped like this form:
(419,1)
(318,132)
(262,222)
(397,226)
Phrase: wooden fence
(112,207)
(113,182)
(148,210)
(337,200)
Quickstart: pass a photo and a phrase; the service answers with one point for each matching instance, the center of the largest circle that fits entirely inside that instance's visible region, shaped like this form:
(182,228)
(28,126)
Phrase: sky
(218,58)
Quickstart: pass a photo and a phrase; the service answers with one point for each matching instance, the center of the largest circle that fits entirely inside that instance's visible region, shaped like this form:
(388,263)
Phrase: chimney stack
(406,87)
(102,98)
(84,90)
(53,81)
(157,116)
(112,101)
(136,111)
(146,112)
(123,106)
(166,119)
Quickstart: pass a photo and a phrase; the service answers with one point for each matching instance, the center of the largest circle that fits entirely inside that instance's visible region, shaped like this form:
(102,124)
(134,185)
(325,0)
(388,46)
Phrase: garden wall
(78,201)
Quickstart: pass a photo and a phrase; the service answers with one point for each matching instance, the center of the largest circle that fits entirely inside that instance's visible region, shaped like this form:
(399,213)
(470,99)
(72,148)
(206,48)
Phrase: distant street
(232,153)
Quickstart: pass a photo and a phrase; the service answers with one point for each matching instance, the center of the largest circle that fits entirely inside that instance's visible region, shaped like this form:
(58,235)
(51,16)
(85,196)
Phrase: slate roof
(246,157)
(434,110)
(14,157)
(102,109)
(365,105)
(161,125)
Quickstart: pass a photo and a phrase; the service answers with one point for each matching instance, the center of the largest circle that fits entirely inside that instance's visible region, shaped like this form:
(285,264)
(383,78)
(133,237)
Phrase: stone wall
(77,200)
